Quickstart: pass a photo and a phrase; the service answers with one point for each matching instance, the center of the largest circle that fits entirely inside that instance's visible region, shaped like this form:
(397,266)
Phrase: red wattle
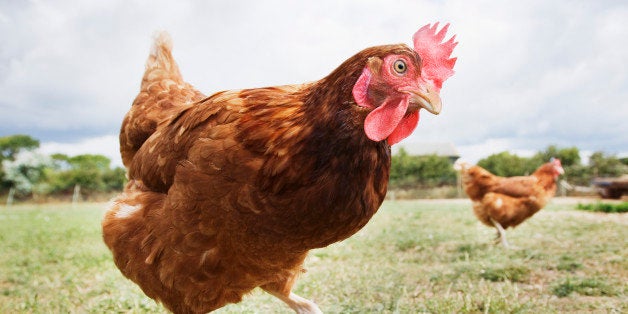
(384,120)
(404,129)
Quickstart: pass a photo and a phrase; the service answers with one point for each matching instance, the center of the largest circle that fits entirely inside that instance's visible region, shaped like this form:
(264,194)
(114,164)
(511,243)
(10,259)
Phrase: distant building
(421,149)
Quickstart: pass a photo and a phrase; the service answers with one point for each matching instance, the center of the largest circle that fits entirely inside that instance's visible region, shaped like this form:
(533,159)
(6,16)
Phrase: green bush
(605,207)
(91,172)
(424,171)
(600,164)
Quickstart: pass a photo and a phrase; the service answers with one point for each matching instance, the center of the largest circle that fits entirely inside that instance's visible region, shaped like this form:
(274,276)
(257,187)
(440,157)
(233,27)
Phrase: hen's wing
(187,248)
(517,186)
(161,93)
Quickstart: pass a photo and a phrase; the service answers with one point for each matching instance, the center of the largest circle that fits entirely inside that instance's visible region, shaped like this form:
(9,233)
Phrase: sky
(529,73)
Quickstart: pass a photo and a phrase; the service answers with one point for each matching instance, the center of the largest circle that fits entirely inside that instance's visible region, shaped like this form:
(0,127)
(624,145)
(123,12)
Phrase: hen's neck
(547,178)
(322,175)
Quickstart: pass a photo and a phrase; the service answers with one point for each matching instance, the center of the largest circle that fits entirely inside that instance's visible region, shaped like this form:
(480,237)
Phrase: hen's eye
(400,66)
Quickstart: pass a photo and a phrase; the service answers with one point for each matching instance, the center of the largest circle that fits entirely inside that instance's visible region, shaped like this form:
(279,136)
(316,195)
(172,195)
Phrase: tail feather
(162,43)
(160,63)
(163,93)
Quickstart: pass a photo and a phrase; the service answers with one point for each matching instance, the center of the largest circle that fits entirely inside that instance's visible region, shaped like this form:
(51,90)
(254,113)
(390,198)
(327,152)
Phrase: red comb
(437,66)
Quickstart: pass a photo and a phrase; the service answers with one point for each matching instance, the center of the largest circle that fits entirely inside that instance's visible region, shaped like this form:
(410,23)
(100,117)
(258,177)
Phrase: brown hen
(506,202)
(229,192)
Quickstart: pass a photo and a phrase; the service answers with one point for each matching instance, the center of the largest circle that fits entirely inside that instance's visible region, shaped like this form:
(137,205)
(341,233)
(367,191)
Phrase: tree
(578,175)
(505,164)
(91,172)
(115,179)
(10,147)
(436,170)
(568,156)
(603,165)
(26,171)
(411,171)
(575,172)
(400,164)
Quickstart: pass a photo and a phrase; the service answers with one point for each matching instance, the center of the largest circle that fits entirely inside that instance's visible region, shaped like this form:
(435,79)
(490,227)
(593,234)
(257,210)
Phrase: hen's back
(161,93)
(477,182)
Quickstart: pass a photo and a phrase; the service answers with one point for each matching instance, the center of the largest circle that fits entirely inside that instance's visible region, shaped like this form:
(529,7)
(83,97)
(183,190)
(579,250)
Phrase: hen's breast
(315,185)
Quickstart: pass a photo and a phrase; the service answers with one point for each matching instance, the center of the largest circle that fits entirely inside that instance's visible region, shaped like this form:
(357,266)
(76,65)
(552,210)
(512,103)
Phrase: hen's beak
(426,97)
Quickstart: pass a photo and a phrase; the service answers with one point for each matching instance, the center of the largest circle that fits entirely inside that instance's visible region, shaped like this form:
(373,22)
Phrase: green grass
(585,286)
(413,257)
(605,207)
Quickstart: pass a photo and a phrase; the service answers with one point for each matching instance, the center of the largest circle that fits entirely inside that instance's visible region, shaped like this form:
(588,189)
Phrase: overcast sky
(529,73)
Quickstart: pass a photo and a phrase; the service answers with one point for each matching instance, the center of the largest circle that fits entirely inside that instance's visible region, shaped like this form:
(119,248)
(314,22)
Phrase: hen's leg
(498,237)
(300,305)
(501,233)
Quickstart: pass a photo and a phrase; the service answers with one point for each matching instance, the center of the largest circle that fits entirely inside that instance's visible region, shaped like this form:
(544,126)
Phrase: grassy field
(413,257)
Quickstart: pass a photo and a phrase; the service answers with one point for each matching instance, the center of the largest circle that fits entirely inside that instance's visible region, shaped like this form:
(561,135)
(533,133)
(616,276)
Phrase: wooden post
(77,194)
(459,184)
(10,197)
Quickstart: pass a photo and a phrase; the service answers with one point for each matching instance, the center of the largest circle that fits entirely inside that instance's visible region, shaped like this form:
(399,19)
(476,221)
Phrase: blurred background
(534,80)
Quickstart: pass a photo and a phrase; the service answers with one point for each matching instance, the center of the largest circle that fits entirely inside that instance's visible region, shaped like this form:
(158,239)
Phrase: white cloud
(474,152)
(107,145)
(529,74)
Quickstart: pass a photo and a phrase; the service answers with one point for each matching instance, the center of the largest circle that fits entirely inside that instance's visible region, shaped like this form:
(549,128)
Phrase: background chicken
(506,202)
(229,192)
